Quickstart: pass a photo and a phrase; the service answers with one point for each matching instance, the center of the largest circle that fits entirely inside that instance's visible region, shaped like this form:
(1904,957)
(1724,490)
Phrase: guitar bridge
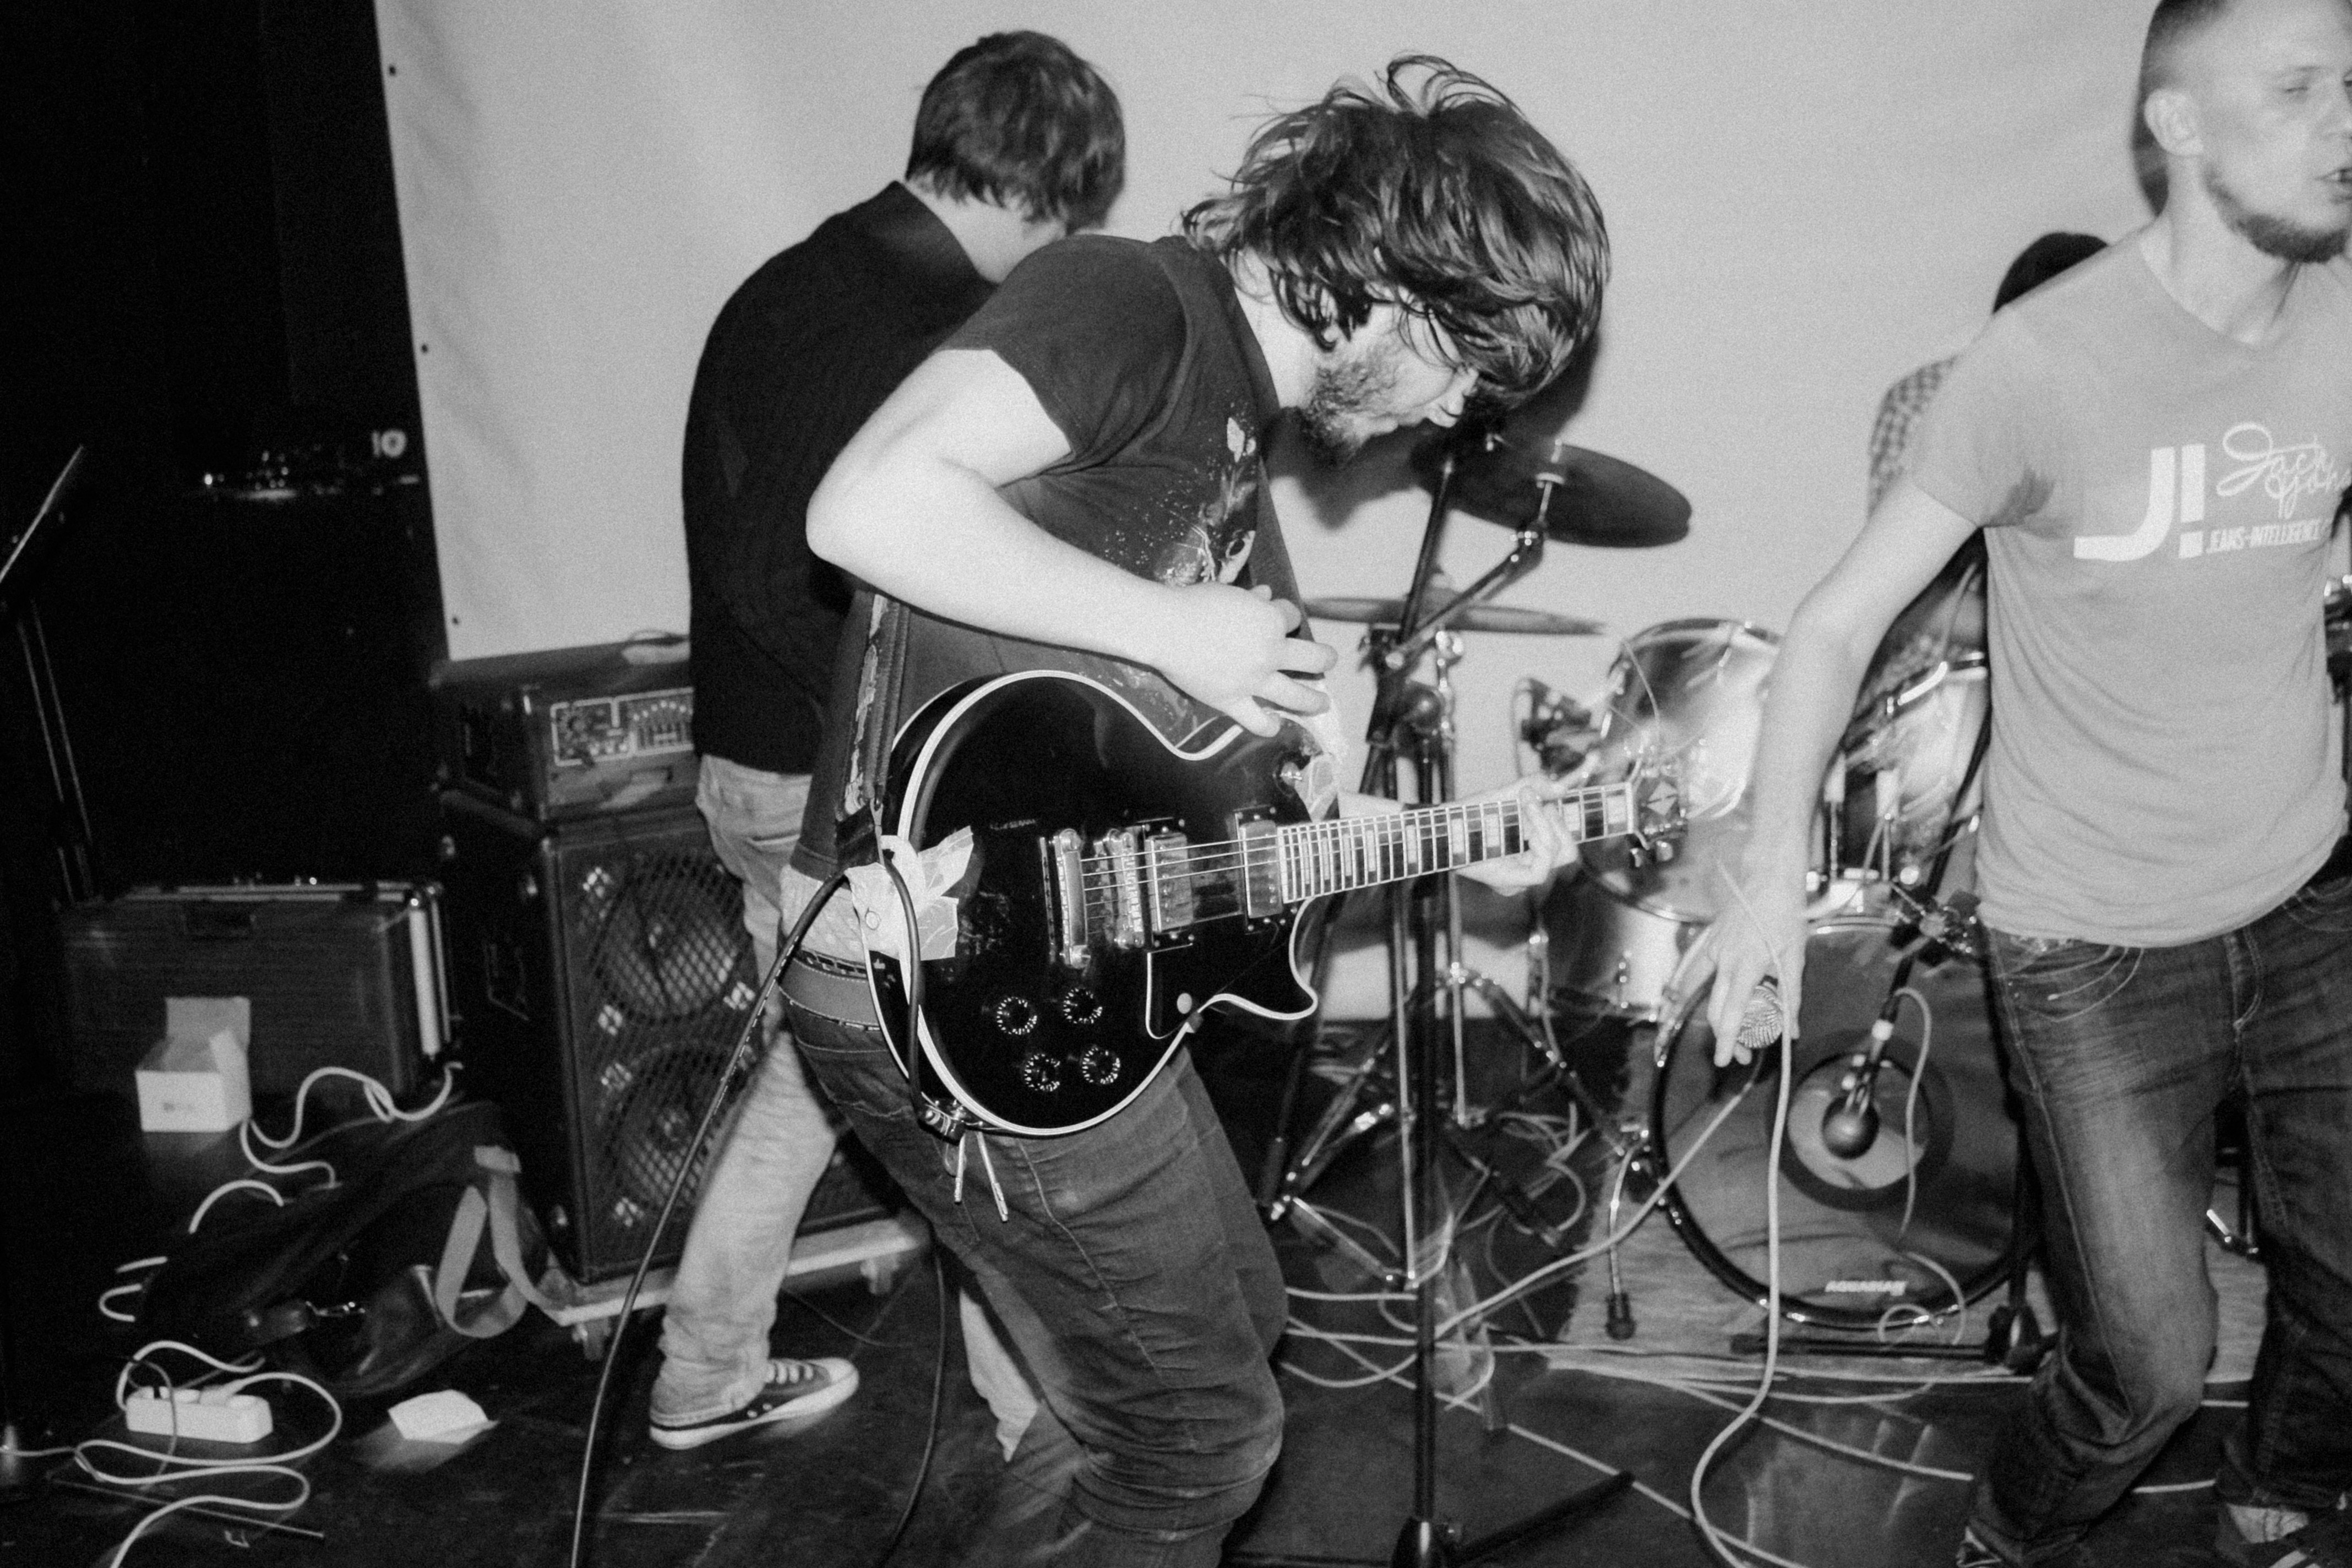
(1065,869)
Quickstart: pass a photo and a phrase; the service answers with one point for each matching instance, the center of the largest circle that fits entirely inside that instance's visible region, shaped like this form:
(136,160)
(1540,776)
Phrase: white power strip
(209,1415)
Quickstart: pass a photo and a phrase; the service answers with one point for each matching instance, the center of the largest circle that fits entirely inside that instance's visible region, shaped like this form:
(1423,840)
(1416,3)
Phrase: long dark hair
(1431,192)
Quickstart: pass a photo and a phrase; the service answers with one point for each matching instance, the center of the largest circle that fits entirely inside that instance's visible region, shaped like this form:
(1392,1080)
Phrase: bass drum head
(1904,1223)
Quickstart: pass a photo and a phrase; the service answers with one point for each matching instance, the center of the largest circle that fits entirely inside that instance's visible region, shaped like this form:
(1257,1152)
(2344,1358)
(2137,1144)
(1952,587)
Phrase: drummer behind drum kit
(1900,1173)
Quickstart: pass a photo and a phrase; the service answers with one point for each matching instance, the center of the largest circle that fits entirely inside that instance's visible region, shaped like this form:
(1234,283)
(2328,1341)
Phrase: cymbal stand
(1395,656)
(1409,714)
(1413,720)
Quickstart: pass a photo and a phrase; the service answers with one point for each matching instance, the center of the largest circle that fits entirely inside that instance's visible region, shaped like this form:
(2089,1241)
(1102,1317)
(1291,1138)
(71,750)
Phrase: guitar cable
(928,1112)
(740,1061)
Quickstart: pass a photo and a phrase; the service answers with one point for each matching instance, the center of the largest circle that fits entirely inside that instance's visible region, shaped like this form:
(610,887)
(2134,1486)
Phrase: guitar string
(1223,854)
(1373,833)
(1373,836)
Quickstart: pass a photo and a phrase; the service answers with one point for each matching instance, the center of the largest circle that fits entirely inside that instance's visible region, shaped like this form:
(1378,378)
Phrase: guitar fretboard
(1318,859)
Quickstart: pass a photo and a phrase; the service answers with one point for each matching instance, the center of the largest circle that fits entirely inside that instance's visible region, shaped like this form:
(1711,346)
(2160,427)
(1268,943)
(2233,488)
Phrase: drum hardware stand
(1947,925)
(1411,717)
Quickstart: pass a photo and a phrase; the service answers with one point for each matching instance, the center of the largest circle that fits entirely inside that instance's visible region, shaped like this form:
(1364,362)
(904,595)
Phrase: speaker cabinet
(601,975)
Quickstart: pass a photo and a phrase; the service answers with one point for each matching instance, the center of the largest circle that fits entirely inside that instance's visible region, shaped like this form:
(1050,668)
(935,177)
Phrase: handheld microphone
(1765,1021)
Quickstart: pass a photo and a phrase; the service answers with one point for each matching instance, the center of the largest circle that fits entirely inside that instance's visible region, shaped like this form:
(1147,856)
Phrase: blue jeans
(776,1144)
(1134,1277)
(2123,1055)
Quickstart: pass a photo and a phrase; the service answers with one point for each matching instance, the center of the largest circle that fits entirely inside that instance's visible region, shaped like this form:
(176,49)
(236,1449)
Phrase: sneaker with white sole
(1974,1554)
(2325,1541)
(796,1392)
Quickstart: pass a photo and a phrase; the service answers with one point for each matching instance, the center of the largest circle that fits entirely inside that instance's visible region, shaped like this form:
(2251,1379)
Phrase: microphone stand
(18,1481)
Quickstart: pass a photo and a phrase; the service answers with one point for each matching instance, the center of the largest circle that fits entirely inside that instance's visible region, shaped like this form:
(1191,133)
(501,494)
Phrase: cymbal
(1476,618)
(1600,499)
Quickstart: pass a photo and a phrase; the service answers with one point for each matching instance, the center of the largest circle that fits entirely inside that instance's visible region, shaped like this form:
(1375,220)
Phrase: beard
(1344,393)
(2283,238)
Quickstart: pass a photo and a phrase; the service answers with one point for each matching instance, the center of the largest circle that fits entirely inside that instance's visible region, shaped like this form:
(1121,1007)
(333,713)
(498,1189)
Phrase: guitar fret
(1316,860)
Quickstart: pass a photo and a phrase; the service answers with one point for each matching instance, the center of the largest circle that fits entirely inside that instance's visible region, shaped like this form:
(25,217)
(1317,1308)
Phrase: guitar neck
(1316,860)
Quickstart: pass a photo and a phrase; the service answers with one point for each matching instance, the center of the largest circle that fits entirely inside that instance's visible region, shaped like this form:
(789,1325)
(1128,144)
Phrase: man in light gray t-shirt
(2156,499)
(2153,446)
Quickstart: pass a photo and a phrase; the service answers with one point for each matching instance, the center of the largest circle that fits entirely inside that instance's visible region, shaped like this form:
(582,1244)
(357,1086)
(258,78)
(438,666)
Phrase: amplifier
(604,974)
(339,975)
(568,732)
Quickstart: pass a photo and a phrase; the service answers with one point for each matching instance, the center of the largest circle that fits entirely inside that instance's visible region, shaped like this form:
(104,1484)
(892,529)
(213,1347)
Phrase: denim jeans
(776,1144)
(1132,1274)
(2123,1055)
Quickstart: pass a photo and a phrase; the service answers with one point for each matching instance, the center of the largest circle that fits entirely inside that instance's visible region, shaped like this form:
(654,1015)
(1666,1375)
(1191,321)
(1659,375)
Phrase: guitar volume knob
(1099,1066)
(1081,1006)
(1040,1074)
(1014,1013)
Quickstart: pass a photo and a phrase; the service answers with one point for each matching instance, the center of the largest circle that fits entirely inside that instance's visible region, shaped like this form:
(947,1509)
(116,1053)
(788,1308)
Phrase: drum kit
(1901,1226)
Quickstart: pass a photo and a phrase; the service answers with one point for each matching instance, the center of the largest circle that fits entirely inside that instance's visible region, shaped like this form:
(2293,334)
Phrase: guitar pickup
(1261,874)
(1119,862)
(1168,877)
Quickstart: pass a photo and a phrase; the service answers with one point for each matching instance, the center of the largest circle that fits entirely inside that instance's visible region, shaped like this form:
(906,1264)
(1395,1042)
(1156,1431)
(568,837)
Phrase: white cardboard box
(196,1079)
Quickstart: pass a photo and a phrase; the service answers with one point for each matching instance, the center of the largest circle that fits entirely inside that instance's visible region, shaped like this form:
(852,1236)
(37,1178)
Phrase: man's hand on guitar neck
(1548,843)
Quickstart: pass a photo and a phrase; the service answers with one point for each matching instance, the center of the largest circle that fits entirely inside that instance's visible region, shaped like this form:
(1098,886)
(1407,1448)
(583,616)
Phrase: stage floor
(88,1191)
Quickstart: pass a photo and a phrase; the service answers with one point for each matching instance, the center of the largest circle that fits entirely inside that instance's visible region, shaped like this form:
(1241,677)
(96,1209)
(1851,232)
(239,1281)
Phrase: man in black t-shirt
(1017,142)
(1077,481)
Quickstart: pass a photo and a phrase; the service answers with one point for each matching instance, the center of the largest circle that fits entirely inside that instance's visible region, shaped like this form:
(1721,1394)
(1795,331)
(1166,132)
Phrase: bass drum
(1904,1222)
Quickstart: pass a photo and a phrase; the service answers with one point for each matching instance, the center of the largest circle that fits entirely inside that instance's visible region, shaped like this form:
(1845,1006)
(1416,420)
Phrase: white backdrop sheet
(1807,198)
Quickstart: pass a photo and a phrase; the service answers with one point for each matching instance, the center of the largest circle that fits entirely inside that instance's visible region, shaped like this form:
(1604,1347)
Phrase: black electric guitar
(1117,886)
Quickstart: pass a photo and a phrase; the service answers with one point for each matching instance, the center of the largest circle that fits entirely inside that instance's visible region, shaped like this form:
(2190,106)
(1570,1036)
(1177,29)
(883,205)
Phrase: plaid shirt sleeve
(1899,414)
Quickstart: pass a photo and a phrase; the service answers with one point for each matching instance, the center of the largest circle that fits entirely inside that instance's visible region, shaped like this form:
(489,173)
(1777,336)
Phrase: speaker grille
(605,974)
(660,983)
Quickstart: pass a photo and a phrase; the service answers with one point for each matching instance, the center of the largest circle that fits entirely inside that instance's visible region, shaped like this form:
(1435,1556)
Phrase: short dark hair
(2043,260)
(1020,120)
(1429,192)
(2173,23)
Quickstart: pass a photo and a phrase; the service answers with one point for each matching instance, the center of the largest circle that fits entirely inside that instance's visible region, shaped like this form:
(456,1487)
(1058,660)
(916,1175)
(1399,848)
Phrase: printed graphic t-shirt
(1141,356)
(2156,499)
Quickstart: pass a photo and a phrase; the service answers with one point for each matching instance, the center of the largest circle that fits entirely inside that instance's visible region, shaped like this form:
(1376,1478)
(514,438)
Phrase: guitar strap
(881,681)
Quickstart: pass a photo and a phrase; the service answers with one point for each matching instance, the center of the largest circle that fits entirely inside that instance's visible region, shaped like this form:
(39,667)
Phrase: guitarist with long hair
(1075,482)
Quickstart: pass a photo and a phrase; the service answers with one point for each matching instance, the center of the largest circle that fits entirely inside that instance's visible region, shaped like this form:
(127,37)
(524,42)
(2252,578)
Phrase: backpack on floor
(420,1247)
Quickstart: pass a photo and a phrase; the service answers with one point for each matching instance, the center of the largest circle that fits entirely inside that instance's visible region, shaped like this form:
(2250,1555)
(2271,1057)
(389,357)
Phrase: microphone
(1850,1126)
(1765,1021)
